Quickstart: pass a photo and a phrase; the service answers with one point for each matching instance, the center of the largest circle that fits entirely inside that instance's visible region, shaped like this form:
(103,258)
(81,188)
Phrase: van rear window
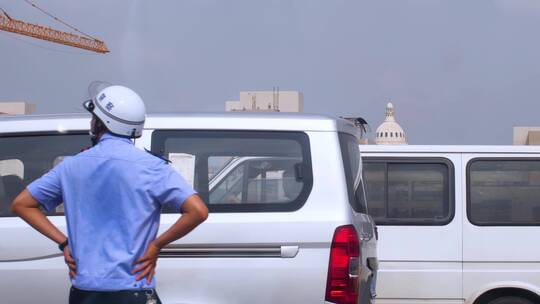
(503,192)
(241,171)
(24,158)
(409,191)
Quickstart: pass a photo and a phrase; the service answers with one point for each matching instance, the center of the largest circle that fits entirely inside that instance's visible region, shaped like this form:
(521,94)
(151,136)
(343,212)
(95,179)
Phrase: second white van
(457,224)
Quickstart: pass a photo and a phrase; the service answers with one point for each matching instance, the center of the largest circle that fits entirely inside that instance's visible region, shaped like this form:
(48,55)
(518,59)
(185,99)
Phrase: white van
(457,224)
(288,220)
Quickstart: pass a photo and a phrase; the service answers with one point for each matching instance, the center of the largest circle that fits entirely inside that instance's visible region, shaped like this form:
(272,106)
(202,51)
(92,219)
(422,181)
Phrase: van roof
(441,149)
(186,120)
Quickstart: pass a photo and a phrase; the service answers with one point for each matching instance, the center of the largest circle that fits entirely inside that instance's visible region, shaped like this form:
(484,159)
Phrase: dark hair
(100,126)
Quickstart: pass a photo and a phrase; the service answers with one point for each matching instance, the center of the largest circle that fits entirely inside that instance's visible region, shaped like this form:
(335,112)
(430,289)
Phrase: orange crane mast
(45,33)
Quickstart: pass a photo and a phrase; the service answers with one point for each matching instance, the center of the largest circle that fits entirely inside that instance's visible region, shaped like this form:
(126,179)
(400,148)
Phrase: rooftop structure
(390,132)
(16,108)
(267,101)
(527,136)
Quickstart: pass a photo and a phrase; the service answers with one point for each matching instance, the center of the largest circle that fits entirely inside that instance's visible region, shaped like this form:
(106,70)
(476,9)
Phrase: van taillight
(343,269)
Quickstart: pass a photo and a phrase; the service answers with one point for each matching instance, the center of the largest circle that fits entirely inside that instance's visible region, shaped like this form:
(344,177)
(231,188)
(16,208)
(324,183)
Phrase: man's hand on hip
(194,212)
(147,264)
(68,258)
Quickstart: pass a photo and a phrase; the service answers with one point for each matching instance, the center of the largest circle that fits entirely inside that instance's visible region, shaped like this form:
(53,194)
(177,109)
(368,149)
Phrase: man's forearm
(194,213)
(35,218)
(183,226)
(28,209)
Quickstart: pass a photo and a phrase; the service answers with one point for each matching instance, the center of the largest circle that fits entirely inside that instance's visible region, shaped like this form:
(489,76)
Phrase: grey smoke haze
(457,71)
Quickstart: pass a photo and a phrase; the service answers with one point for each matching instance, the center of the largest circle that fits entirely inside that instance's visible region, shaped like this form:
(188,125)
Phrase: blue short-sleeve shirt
(113,194)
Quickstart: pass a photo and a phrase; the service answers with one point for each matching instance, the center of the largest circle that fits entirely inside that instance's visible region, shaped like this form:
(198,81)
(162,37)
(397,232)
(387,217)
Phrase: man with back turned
(113,194)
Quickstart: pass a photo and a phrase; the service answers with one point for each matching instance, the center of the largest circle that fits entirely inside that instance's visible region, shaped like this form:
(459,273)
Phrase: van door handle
(289,251)
(201,251)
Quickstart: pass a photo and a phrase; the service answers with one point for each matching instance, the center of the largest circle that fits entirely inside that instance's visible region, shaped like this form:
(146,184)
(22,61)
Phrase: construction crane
(9,24)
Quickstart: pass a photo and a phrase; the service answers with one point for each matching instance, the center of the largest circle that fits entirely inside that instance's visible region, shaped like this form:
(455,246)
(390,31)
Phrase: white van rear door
(500,239)
(412,199)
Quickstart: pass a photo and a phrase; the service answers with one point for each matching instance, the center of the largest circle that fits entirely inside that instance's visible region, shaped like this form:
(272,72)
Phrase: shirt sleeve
(173,189)
(47,190)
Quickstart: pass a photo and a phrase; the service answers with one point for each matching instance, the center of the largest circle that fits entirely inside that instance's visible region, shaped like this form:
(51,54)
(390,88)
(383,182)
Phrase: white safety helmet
(120,109)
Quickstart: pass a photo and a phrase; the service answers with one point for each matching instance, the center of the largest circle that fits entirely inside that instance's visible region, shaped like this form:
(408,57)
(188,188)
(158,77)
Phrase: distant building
(16,108)
(390,132)
(267,101)
(526,135)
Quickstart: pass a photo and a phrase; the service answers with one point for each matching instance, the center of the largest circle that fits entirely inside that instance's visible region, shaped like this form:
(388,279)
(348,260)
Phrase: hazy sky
(457,71)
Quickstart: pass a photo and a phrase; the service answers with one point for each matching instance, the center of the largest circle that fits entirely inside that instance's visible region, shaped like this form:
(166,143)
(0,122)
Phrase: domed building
(390,132)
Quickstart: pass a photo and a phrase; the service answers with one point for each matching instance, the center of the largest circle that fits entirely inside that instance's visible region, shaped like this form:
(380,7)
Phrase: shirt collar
(110,136)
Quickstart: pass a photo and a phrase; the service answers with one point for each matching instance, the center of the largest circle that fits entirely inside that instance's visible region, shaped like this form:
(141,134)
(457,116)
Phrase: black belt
(141,296)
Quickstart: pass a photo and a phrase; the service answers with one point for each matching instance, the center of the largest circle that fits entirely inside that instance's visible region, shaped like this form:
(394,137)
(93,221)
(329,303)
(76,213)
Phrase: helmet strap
(97,128)
(133,135)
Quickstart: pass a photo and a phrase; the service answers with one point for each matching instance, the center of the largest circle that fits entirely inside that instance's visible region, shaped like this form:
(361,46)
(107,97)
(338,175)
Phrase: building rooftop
(16,108)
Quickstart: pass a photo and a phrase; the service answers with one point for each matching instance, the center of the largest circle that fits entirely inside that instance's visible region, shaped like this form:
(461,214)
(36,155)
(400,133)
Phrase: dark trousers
(77,296)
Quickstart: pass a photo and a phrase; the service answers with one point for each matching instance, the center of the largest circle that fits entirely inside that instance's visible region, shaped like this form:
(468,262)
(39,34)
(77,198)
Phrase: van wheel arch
(494,294)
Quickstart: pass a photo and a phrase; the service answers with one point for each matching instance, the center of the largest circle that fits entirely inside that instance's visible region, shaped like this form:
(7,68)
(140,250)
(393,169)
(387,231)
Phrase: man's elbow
(16,206)
(202,213)
(196,209)
(23,202)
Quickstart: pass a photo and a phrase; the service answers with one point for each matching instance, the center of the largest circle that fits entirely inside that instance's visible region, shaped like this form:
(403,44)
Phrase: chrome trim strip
(175,251)
(229,252)
(44,257)
(289,251)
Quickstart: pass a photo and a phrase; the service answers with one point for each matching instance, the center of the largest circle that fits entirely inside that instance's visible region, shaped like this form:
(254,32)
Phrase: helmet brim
(89,105)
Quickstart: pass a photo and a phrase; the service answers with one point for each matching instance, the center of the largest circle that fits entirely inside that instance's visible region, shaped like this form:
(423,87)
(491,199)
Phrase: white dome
(390,132)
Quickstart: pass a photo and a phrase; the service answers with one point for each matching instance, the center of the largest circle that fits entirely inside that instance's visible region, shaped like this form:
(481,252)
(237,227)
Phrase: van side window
(241,171)
(409,192)
(24,158)
(503,192)
(229,190)
(353,172)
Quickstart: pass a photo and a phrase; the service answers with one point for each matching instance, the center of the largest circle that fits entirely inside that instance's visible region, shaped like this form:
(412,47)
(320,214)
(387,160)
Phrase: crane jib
(44,33)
